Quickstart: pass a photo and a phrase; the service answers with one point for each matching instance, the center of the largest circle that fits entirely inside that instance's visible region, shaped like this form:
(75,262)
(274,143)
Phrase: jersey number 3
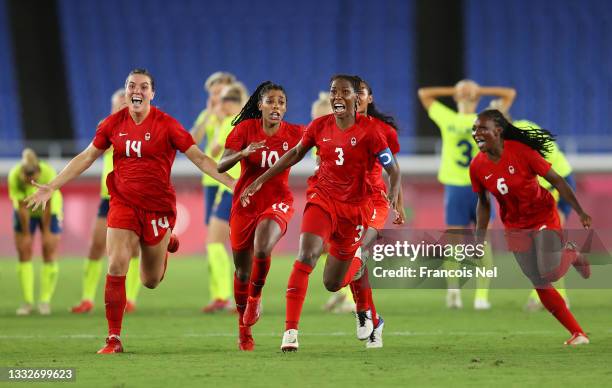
(466,147)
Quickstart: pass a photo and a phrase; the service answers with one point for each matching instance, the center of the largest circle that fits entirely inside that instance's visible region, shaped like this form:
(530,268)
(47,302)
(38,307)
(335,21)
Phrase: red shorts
(242,227)
(521,240)
(150,226)
(380,212)
(340,224)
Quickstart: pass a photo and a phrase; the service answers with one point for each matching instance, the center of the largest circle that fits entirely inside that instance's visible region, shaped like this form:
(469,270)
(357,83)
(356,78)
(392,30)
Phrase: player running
(336,210)
(260,137)
(25,223)
(507,166)
(97,249)
(143,201)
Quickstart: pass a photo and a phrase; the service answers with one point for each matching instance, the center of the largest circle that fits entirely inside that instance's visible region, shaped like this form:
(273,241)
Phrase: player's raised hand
(400,215)
(252,148)
(585,220)
(245,197)
(40,197)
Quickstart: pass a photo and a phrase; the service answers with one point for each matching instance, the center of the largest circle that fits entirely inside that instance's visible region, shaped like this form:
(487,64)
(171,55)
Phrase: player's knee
(332,285)
(309,258)
(262,253)
(150,283)
(242,275)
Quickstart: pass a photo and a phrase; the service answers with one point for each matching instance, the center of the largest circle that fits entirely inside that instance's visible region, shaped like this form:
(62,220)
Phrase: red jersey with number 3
(375,178)
(143,155)
(524,204)
(275,189)
(346,156)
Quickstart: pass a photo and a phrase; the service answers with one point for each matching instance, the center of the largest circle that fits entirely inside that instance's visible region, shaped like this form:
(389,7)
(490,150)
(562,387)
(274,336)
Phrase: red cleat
(252,311)
(84,307)
(218,305)
(130,306)
(173,244)
(113,345)
(245,339)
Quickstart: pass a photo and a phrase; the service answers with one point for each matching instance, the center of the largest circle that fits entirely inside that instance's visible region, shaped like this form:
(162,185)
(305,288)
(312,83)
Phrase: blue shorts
(223,208)
(35,222)
(460,205)
(564,206)
(210,193)
(103,208)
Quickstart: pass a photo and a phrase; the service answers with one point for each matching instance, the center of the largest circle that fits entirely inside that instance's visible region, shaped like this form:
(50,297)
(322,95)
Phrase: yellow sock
(451,264)
(219,271)
(346,291)
(132,281)
(483,283)
(91,277)
(48,281)
(25,272)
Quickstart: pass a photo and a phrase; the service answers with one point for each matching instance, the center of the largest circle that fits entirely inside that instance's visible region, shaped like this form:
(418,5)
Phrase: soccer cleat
(577,339)
(113,345)
(375,339)
(245,339)
(44,309)
(130,306)
(84,307)
(218,305)
(453,298)
(482,304)
(365,326)
(24,310)
(173,244)
(290,341)
(252,311)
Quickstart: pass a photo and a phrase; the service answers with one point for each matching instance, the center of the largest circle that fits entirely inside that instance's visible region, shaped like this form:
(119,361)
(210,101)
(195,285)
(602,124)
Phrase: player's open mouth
(480,142)
(275,116)
(339,108)
(137,101)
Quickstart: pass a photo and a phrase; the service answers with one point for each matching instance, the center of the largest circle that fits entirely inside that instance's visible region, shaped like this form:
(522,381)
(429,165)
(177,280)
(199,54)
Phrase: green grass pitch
(169,342)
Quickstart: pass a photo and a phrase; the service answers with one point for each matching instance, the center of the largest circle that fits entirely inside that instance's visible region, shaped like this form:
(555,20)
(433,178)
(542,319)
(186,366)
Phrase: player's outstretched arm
(429,94)
(208,166)
(400,216)
(483,215)
(566,192)
(290,158)
(506,95)
(231,157)
(74,168)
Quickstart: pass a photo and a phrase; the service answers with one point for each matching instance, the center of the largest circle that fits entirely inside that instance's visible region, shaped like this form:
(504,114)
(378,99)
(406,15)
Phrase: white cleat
(482,304)
(365,327)
(375,340)
(44,309)
(577,339)
(290,341)
(24,310)
(453,298)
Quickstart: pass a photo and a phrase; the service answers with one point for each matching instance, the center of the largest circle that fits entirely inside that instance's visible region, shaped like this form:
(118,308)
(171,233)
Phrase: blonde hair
(321,106)
(235,91)
(29,161)
(219,77)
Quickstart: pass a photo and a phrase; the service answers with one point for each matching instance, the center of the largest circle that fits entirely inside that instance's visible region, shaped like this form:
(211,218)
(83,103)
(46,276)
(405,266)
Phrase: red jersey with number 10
(523,203)
(260,161)
(143,155)
(346,156)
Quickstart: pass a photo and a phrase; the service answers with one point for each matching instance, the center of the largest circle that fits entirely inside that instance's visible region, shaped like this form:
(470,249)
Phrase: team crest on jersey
(511,169)
(147,136)
(353,141)
(285,146)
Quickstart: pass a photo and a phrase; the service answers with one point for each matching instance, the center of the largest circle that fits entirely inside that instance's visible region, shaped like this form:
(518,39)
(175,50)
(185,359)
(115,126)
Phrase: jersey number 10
(271,158)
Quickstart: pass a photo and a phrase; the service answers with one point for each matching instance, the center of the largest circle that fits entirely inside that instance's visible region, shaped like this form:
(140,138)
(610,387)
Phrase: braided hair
(373,111)
(540,140)
(250,110)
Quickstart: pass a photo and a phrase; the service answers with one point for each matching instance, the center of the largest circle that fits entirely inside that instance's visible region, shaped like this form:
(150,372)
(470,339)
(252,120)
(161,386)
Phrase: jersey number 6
(502,187)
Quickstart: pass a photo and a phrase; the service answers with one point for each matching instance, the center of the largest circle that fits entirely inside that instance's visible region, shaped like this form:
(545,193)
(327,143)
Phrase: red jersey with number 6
(275,189)
(346,156)
(143,155)
(524,204)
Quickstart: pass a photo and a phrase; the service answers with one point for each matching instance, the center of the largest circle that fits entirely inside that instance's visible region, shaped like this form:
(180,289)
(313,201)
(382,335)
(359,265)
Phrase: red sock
(554,303)
(352,270)
(258,276)
(114,299)
(296,292)
(241,293)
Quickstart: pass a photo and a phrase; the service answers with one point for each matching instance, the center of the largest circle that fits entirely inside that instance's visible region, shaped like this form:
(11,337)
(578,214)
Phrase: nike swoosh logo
(488,176)
(291,341)
(291,289)
(122,134)
(324,139)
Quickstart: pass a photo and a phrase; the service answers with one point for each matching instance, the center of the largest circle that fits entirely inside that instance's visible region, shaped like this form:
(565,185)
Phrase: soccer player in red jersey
(336,210)
(143,201)
(507,166)
(259,139)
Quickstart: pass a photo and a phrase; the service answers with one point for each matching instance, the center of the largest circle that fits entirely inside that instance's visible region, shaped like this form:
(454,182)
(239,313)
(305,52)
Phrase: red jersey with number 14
(523,203)
(346,157)
(260,161)
(143,155)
